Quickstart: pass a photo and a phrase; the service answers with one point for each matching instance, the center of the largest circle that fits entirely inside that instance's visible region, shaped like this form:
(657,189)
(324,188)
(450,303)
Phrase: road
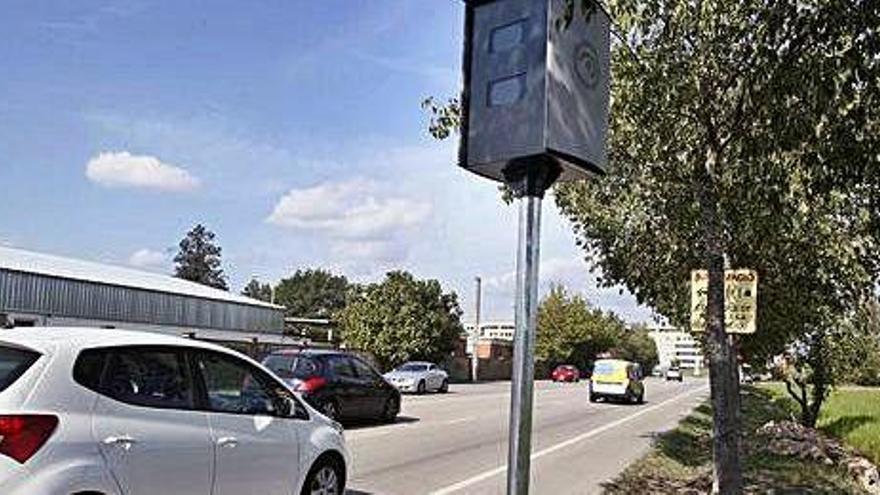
(457,443)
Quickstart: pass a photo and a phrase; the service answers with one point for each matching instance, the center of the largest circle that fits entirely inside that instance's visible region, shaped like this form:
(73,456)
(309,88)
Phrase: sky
(292,129)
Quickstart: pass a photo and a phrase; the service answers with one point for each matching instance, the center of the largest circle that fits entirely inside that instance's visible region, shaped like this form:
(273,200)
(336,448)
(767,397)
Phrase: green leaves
(198,259)
(572,332)
(313,293)
(776,91)
(445,119)
(255,290)
(402,319)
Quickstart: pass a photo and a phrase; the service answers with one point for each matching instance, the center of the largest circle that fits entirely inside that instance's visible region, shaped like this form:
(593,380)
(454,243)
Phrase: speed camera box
(536,85)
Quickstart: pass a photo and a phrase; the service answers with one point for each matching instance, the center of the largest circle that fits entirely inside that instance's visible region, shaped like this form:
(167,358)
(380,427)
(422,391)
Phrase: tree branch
(794,395)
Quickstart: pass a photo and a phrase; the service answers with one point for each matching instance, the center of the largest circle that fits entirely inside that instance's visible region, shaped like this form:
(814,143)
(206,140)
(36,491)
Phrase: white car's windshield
(411,367)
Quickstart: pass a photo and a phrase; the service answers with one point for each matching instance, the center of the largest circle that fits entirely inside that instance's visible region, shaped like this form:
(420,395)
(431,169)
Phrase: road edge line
(561,445)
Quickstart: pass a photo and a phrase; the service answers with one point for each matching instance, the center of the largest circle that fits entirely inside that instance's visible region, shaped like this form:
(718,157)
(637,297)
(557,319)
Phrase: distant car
(657,371)
(419,377)
(96,411)
(339,384)
(617,379)
(674,373)
(565,373)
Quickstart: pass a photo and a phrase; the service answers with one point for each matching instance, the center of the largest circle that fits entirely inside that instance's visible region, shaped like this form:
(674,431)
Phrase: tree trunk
(820,378)
(723,372)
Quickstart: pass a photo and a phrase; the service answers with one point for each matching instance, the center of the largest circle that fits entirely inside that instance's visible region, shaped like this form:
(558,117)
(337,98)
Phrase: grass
(850,414)
(681,461)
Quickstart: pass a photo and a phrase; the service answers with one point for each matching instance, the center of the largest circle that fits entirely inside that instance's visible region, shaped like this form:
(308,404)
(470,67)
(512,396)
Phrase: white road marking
(561,445)
(459,420)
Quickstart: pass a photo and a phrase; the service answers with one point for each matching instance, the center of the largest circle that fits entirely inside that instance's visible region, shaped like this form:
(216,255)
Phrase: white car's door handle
(228,442)
(124,441)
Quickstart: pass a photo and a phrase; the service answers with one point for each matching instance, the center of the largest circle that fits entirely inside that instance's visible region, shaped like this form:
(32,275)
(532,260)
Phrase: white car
(418,377)
(100,412)
(674,373)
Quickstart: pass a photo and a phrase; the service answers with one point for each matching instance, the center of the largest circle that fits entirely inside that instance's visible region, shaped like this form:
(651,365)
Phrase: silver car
(419,377)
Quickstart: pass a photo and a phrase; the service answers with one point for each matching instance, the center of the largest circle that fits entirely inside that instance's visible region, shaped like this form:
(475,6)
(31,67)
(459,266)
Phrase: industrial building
(502,330)
(43,290)
(674,345)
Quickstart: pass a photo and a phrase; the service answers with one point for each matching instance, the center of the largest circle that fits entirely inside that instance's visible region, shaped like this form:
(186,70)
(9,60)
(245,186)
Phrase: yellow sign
(740,300)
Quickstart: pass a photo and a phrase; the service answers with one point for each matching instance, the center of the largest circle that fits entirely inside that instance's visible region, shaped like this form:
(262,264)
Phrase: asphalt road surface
(457,443)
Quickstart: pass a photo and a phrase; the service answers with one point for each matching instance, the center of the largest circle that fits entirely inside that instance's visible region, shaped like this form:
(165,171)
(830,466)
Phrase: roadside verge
(681,460)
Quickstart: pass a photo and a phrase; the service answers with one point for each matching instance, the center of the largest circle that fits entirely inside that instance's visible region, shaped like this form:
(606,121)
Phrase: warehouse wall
(58,297)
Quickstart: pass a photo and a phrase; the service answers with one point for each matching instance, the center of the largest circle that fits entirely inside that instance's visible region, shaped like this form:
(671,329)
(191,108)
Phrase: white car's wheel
(324,479)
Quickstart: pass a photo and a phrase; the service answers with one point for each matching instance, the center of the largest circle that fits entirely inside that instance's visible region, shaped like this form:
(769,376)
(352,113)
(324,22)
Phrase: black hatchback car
(339,384)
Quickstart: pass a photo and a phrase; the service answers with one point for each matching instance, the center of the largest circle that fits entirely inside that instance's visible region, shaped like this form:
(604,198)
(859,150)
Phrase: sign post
(534,110)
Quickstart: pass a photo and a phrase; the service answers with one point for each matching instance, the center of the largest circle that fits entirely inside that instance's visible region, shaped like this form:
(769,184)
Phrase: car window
(603,369)
(340,366)
(364,370)
(13,363)
(89,367)
(634,373)
(235,386)
(151,377)
(306,367)
(281,364)
(288,366)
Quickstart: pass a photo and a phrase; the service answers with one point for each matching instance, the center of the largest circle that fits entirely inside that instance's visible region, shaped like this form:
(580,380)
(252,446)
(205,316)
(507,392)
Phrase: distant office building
(676,345)
(43,290)
(493,330)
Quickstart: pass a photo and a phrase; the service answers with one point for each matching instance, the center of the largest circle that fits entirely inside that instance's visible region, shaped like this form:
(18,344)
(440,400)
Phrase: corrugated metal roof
(56,266)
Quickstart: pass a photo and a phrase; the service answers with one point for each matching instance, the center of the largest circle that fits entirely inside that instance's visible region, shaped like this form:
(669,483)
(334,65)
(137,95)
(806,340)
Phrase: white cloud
(122,169)
(365,229)
(350,210)
(147,258)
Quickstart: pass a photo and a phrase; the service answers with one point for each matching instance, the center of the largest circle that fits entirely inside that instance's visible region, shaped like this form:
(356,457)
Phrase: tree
(634,344)
(313,293)
(255,290)
(402,319)
(199,259)
(742,134)
(842,351)
(571,332)
(863,356)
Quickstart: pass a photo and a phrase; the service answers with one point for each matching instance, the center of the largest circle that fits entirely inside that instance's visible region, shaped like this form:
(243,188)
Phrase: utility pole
(475,337)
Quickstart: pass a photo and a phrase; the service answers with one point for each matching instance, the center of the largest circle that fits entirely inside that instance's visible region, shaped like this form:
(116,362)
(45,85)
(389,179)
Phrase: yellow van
(617,379)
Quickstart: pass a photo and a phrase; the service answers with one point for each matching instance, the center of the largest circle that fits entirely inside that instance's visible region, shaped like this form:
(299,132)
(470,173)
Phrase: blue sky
(290,128)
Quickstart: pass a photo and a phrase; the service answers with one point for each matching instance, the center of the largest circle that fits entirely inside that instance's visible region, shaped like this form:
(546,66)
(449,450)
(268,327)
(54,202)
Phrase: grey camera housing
(536,86)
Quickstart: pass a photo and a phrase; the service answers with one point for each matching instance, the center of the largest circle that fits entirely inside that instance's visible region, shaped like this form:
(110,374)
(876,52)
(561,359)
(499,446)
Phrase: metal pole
(475,338)
(521,393)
